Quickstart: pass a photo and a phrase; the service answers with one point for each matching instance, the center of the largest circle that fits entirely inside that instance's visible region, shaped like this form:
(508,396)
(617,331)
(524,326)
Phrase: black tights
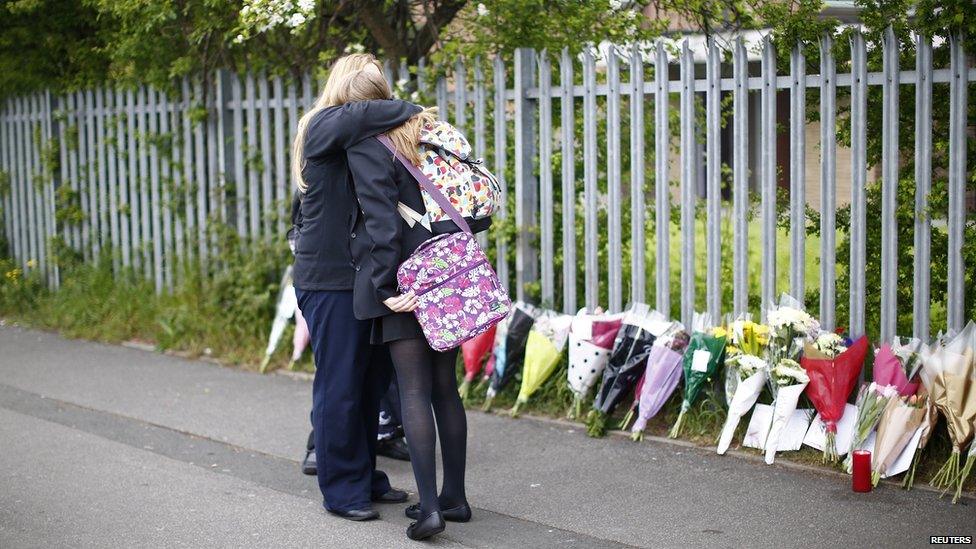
(427,378)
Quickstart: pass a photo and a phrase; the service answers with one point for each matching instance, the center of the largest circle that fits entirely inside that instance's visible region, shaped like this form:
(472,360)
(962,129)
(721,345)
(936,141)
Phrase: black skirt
(394,327)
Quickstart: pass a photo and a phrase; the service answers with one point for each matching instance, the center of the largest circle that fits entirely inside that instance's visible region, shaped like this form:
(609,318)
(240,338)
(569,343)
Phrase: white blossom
(482,10)
(296,20)
(789,372)
(258,16)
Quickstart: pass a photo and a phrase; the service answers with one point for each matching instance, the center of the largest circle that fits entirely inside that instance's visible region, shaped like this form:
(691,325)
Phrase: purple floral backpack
(458,294)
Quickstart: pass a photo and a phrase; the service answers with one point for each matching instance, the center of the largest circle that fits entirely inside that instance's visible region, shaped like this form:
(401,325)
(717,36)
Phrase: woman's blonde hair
(340,69)
(364,85)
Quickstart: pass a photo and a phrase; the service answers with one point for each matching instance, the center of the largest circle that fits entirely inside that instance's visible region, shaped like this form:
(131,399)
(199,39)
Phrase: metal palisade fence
(148,174)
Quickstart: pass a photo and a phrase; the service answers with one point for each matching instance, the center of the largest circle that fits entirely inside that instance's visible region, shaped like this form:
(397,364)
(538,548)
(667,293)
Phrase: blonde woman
(426,377)
(351,375)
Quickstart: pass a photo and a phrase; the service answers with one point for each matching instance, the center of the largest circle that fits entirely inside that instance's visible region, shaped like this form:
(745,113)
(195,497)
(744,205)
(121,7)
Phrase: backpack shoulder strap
(428,186)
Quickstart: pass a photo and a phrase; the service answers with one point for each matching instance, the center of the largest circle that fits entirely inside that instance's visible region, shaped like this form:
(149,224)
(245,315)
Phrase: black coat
(381,239)
(323,260)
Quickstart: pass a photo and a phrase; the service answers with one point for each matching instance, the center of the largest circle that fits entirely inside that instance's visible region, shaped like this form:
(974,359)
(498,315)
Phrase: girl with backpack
(384,235)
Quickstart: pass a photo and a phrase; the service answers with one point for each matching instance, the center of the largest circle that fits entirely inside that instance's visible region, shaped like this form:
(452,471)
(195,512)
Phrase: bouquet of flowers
(542,351)
(509,361)
(705,351)
(790,327)
(948,372)
(474,352)
(927,426)
(871,403)
(660,377)
(790,322)
(831,380)
(898,364)
(631,347)
(788,380)
(744,350)
(901,418)
(497,351)
(829,344)
(591,339)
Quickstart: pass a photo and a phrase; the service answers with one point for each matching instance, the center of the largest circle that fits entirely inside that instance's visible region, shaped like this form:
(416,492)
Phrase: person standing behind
(351,375)
(389,436)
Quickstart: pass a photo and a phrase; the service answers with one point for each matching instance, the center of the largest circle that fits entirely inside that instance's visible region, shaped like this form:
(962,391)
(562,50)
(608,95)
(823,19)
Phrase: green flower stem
(627,419)
(516,409)
(962,477)
(576,408)
(830,448)
(676,430)
(909,481)
(596,424)
(948,472)
(464,389)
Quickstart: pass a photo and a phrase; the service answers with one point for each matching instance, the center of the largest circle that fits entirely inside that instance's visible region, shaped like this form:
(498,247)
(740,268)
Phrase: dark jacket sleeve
(373,173)
(336,128)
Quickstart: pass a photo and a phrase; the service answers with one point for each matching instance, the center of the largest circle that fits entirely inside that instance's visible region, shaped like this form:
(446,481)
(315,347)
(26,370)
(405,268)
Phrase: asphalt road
(107,446)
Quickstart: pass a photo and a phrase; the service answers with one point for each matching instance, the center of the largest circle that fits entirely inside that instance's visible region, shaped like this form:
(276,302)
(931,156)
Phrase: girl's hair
(340,69)
(363,85)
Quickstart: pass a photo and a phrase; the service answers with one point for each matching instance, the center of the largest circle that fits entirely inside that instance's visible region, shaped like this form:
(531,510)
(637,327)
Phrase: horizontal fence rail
(591,185)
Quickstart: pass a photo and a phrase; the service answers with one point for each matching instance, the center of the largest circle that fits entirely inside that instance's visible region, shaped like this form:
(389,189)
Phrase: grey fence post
(713,175)
(923,186)
(548,297)
(54,128)
(858,180)
(768,176)
(828,183)
(569,181)
(889,189)
(460,95)
(740,179)
(662,191)
(526,185)
(798,120)
(958,87)
(689,164)
(614,223)
(638,280)
(591,270)
(501,163)
(226,157)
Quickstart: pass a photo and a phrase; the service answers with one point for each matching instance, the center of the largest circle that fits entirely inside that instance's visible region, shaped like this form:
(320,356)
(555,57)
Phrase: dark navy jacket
(381,239)
(323,260)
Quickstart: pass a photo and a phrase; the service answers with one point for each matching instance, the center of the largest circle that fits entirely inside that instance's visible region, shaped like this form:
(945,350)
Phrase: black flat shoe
(357,515)
(393,449)
(391,496)
(461,513)
(309,465)
(431,525)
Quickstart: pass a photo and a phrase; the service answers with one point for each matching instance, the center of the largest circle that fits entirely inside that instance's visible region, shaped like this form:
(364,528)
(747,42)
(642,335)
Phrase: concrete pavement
(114,447)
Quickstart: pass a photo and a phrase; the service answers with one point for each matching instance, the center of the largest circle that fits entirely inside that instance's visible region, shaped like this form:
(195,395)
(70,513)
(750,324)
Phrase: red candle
(861,472)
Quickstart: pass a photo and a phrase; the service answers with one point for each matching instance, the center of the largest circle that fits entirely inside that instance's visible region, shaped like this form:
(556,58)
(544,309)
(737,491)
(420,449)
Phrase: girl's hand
(402,303)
